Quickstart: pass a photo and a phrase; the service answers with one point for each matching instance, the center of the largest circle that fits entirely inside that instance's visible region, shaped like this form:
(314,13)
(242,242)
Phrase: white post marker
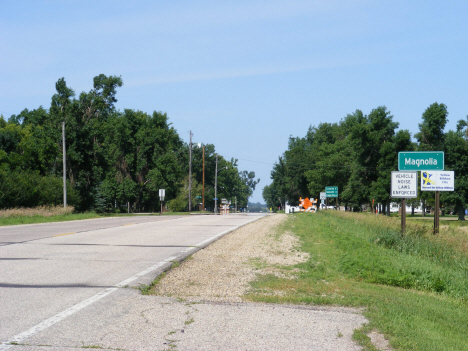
(162,194)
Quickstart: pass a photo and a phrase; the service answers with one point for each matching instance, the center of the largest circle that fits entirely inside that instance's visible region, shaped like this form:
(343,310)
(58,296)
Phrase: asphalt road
(49,272)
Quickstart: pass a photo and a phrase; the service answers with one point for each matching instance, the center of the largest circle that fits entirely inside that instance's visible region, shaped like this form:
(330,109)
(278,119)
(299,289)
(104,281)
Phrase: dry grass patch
(43,211)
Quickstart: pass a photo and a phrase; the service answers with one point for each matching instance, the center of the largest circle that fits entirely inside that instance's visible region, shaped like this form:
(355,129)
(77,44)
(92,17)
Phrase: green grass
(413,288)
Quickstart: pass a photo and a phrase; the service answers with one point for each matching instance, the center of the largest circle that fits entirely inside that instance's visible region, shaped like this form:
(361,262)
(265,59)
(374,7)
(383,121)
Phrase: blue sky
(243,75)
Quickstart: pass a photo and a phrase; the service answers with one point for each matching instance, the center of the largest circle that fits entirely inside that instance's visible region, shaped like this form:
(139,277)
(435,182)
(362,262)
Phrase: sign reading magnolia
(419,160)
(437,180)
(404,185)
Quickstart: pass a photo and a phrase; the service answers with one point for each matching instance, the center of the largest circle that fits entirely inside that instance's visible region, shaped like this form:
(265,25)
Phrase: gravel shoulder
(223,270)
(217,279)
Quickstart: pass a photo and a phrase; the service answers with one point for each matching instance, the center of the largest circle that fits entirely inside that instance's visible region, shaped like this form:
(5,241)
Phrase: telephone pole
(203,192)
(190,174)
(216,186)
(64,168)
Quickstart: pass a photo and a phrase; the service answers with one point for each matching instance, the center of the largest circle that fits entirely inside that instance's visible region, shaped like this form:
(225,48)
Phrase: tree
(431,130)
(456,159)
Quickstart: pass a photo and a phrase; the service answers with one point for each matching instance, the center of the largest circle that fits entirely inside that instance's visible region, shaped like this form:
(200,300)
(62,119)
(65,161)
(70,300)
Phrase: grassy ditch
(414,288)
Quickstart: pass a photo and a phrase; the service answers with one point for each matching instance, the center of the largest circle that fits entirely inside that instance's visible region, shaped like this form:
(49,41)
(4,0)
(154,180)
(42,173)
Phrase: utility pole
(203,192)
(190,174)
(64,168)
(216,186)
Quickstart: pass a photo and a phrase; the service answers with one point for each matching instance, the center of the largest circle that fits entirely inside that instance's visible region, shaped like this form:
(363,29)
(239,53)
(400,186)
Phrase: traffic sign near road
(331,191)
(421,160)
(404,185)
(323,196)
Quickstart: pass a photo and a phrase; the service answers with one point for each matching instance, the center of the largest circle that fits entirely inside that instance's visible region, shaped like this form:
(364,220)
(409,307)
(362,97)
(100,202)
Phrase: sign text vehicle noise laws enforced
(404,185)
(421,160)
(437,180)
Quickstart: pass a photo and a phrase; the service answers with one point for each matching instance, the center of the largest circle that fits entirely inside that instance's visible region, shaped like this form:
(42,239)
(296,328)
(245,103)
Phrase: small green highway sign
(331,191)
(421,161)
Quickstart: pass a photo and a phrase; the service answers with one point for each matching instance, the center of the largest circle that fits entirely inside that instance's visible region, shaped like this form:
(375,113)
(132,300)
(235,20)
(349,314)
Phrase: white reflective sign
(404,185)
(437,180)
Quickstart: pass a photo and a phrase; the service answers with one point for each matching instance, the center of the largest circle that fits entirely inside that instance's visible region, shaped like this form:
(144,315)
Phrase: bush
(30,189)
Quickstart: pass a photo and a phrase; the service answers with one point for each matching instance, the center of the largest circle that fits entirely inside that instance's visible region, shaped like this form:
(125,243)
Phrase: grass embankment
(414,287)
(47,214)
(42,214)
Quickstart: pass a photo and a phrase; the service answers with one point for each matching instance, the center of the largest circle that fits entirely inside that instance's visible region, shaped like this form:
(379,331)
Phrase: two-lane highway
(50,271)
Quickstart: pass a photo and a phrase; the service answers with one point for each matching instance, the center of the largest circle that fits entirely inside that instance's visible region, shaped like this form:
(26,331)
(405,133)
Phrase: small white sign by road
(437,180)
(404,185)
(323,196)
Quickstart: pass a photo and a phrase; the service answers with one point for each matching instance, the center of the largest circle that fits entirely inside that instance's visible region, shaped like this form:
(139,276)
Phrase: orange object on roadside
(306,203)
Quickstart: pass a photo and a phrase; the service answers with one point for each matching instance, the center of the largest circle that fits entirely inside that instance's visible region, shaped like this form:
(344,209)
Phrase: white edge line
(68,312)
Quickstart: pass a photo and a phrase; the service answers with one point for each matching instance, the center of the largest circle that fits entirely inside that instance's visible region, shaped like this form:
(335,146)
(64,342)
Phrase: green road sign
(331,191)
(421,161)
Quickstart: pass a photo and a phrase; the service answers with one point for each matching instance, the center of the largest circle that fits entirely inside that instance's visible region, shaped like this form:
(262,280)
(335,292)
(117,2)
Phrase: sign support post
(331,191)
(403,215)
(437,181)
(404,185)
(436,213)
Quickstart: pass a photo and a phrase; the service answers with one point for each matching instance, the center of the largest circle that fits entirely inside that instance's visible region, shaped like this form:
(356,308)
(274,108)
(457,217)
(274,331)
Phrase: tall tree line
(358,154)
(115,159)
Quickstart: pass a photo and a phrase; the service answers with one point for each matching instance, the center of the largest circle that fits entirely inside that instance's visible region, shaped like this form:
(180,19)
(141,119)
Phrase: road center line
(64,234)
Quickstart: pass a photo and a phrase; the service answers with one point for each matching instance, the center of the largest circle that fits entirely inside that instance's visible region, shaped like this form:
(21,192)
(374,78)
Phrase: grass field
(413,288)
